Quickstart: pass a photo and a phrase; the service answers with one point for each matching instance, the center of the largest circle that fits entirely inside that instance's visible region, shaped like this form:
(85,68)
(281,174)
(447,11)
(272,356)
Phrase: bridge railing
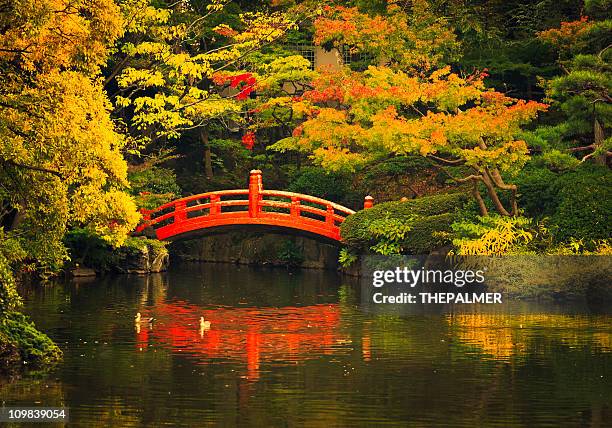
(245,206)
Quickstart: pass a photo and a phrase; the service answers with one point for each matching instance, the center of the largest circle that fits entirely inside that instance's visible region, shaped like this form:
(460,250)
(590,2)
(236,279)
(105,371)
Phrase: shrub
(492,235)
(34,347)
(577,202)
(90,250)
(585,204)
(291,254)
(335,187)
(536,195)
(428,220)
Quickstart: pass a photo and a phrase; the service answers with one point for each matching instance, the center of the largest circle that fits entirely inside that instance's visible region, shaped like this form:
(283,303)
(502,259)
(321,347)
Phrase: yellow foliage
(61,160)
(497,236)
(50,34)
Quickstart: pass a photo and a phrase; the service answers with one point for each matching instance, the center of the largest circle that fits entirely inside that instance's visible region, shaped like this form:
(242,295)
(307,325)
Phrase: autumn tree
(179,69)
(407,106)
(61,160)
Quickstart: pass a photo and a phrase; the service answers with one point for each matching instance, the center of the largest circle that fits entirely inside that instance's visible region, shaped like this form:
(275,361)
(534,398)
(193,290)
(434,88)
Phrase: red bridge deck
(248,206)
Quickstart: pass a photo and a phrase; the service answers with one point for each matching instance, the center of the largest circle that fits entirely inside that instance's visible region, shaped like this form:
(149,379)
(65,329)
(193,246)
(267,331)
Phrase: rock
(259,248)
(81,271)
(159,262)
(151,257)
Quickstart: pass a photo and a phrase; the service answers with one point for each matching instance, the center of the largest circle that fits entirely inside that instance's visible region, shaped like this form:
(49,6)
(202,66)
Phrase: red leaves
(245,82)
(332,93)
(248,140)
(249,85)
(236,80)
(297,132)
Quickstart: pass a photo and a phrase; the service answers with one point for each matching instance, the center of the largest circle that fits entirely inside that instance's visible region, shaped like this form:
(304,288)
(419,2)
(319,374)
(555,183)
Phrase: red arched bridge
(252,206)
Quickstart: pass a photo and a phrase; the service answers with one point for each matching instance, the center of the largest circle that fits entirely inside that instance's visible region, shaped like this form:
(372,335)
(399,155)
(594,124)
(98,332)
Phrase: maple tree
(411,38)
(356,118)
(177,71)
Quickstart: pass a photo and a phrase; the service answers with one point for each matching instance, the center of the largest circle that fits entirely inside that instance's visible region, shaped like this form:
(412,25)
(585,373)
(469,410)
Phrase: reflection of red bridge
(248,206)
(252,334)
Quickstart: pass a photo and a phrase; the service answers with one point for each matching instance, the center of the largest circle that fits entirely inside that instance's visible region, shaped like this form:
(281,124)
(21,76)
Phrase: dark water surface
(297,350)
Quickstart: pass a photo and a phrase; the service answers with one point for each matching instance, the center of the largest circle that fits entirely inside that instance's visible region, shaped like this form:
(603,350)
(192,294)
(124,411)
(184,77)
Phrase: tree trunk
(481,204)
(493,194)
(599,139)
(208,170)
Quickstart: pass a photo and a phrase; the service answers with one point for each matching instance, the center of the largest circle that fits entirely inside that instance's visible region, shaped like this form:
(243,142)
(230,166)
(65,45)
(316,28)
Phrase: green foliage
(397,166)
(577,202)
(153,187)
(333,186)
(389,234)
(584,199)
(536,196)
(10,253)
(291,254)
(346,258)
(416,226)
(36,349)
(580,94)
(556,160)
(154,180)
(89,250)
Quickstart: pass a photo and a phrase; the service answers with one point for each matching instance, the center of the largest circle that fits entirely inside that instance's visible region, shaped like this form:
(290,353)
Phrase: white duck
(139,320)
(204,325)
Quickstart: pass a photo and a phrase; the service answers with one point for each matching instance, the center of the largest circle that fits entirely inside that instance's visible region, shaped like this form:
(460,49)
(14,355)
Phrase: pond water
(297,349)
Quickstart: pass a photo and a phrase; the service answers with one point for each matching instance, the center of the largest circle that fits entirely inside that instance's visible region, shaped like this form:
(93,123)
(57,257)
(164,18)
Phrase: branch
(447,161)
(469,178)
(582,148)
(498,180)
(32,168)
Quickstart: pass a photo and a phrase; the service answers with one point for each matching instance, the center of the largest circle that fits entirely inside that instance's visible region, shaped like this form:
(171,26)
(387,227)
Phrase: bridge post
(368,202)
(179,211)
(215,208)
(295,207)
(329,217)
(255,188)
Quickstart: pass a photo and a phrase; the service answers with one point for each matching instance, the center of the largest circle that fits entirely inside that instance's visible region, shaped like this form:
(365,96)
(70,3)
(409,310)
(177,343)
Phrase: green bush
(535,193)
(428,218)
(89,250)
(335,187)
(584,205)
(291,254)
(35,347)
(577,202)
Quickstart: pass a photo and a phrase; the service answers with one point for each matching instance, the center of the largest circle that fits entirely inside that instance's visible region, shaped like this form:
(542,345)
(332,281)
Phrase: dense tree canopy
(60,154)
(476,90)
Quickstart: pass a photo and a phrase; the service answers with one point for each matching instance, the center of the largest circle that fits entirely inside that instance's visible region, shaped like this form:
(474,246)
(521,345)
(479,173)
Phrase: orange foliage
(385,111)
(415,39)
(568,35)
